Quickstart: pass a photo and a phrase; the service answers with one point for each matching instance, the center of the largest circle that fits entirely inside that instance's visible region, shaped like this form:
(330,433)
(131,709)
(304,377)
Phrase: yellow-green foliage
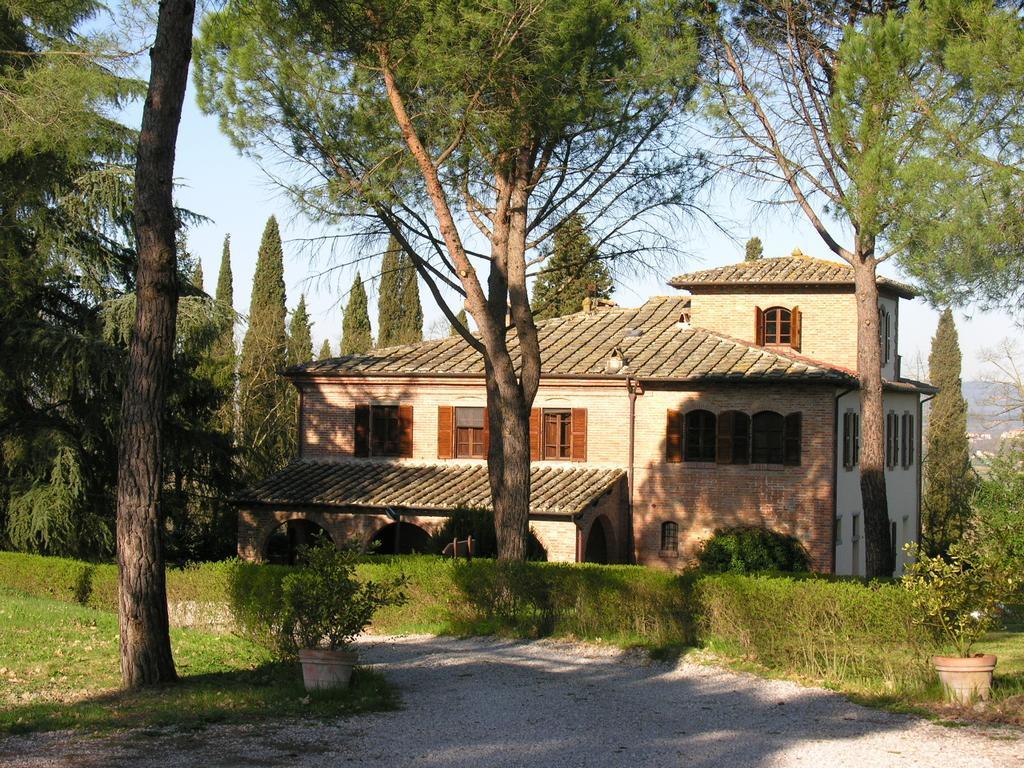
(837,631)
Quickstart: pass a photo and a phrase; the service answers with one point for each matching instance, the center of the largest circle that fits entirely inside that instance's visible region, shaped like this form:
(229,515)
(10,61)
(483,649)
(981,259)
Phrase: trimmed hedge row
(833,630)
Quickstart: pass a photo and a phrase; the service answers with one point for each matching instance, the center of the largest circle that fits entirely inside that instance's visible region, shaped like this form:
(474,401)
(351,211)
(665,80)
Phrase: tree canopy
(573,272)
(356,334)
(399,312)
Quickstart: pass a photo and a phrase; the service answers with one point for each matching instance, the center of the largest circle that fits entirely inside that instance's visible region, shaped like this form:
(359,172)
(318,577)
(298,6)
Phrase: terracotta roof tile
(787,270)
(434,487)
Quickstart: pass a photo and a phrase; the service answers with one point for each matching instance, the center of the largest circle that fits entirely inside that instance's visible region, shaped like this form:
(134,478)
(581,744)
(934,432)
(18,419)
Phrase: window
(851,439)
(557,434)
(700,436)
(892,440)
(884,333)
(733,438)
(778,326)
(383,430)
(855,529)
(792,430)
(837,533)
(669,537)
(469,433)
(909,437)
(768,445)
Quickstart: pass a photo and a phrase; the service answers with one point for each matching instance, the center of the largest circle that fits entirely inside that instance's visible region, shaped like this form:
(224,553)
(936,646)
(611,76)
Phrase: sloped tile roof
(651,338)
(432,487)
(787,270)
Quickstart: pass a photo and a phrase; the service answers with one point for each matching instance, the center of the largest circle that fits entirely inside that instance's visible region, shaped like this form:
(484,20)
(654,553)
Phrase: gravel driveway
(488,704)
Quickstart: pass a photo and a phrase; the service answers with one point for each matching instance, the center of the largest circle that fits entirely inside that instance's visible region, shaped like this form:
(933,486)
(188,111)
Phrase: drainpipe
(633,388)
(836,452)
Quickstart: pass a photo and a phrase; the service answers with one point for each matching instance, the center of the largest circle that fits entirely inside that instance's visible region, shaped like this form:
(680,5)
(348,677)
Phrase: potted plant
(325,607)
(959,599)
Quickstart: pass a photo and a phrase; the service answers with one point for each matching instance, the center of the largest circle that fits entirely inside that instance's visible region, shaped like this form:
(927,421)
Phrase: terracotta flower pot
(326,668)
(966,680)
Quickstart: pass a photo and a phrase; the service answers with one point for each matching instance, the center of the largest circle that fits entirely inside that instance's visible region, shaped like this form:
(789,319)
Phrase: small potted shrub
(959,599)
(324,608)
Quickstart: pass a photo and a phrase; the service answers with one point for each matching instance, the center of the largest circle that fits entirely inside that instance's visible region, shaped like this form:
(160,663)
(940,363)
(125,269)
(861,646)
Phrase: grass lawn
(59,669)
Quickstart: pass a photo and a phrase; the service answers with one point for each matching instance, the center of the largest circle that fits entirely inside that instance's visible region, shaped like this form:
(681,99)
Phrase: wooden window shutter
(674,438)
(792,439)
(361,423)
(536,451)
(726,423)
(405,431)
(487,434)
(445,431)
(759,326)
(796,323)
(848,439)
(578,447)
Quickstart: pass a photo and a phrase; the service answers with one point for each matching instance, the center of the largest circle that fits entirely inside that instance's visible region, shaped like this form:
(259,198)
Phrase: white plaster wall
(901,483)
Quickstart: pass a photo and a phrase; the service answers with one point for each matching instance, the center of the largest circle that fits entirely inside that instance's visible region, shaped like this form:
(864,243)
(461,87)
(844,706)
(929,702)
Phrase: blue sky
(238,197)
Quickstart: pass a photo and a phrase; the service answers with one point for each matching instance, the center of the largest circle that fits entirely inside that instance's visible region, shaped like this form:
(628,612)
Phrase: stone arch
(283,542)
(600,543)
(268,523)
(401,538)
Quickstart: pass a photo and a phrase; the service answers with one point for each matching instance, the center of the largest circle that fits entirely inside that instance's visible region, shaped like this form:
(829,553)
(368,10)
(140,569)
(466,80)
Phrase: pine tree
(197,275)
(356,334)
(573,271)
(754,249)
(300,339)
(461,317)
(399,312)
(949,480)
(224,353)
(265,420)
(325,350)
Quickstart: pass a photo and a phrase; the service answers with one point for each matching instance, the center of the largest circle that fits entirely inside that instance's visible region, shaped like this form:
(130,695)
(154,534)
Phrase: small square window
(469,433)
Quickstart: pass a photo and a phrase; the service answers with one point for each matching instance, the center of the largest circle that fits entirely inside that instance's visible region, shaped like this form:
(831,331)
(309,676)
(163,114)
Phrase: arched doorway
(286,542)
(400,539)
(598,549)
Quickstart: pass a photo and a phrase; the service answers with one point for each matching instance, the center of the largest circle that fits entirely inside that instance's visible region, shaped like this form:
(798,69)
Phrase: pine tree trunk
(142,596)
(508,464)
(878,554)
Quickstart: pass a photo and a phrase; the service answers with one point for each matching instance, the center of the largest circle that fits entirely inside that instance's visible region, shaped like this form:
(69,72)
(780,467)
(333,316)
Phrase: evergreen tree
(356,334)
(224,353)
(754,249)
(572,272)
(265,423)
(399,313)
(300,339)
(949,480)
(197,275)
(461,317)
(325,350)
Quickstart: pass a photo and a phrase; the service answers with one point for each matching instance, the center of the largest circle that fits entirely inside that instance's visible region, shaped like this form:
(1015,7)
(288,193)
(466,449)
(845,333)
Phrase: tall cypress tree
(300,338)
(325,350)
(461,317)
(265,420)
(573,271)
(197,275)
(949,480)
(399,312)
(225,354)
(754,249)
(356,334)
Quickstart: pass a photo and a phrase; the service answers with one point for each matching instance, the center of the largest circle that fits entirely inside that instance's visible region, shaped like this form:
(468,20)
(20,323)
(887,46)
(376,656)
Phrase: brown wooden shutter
(536,447)
(578,447)
(791,436)
(487,433)
(726,421)
(362,430)
(796,322)
(759,326)
(848,439)
(674,437)
(405,431)
(445,431)
(741,439)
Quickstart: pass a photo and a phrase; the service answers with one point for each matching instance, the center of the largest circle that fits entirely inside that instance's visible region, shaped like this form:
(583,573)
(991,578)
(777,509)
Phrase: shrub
(752,549)
(837,631)
(324,604)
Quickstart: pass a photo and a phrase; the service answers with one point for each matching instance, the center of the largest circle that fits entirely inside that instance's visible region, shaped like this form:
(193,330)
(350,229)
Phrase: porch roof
(375,484)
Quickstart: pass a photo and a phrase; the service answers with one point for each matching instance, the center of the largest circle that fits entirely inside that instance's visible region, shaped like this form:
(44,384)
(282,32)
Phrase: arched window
(778,326)
(700,436)
(768,442)
(733,438)
(669,536)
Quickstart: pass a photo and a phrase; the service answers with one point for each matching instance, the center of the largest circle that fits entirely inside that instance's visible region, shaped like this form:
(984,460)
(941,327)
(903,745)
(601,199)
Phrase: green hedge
(839,631)
(833,630)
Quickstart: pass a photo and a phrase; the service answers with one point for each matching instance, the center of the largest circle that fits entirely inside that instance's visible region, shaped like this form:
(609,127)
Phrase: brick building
(733,403)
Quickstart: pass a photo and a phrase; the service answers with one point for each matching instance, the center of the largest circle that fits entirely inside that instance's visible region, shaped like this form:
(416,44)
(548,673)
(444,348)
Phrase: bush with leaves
(325,605)
(959,598)
(752,549)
